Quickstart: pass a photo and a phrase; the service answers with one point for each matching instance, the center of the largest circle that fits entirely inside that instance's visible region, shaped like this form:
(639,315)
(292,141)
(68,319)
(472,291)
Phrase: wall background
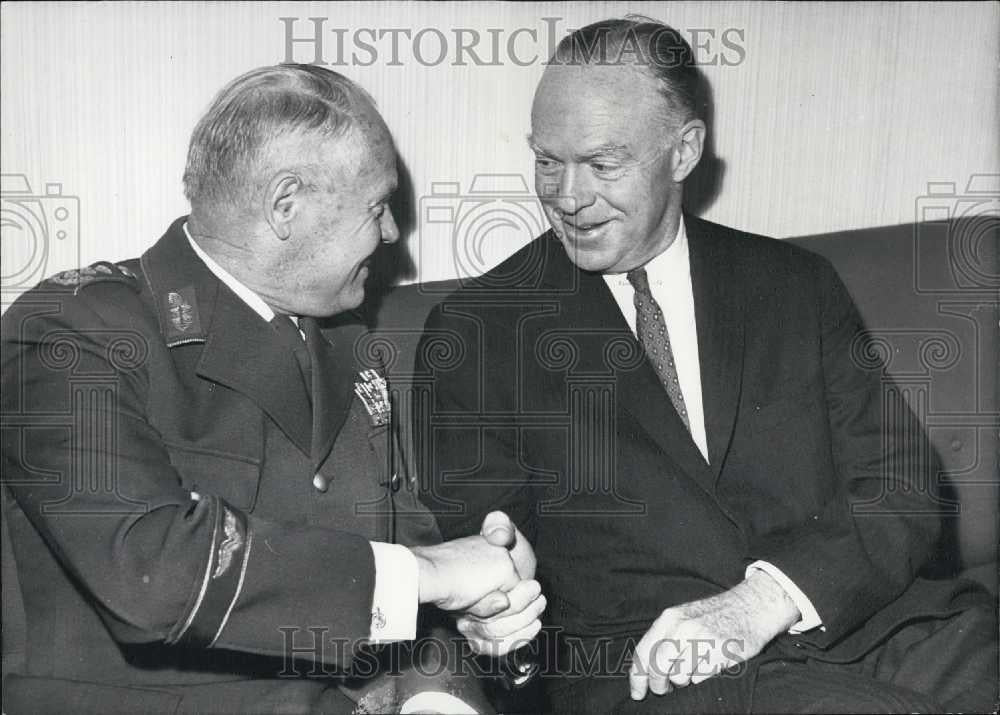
(827,116)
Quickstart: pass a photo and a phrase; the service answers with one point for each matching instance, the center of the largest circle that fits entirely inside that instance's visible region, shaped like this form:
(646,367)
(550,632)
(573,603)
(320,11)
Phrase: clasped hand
(489,580)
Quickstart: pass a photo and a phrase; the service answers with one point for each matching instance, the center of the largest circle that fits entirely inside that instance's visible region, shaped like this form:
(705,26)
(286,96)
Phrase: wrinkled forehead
(369,123)
(376,150)
(367,145)
(615,81)
(623,88)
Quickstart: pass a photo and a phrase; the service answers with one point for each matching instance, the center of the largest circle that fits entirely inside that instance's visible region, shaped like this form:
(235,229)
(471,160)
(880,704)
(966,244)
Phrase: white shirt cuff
(433,701)
(395,601)
(809,617)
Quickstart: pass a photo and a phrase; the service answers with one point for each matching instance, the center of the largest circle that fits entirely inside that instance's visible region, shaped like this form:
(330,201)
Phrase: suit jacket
(544,405)
(126,387)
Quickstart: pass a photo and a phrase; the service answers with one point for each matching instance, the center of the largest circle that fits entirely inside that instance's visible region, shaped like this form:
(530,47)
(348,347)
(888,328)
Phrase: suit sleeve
(878,528)
(160,563)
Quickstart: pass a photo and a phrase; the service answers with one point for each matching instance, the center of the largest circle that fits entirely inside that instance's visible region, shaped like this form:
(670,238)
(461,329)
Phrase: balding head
(289,175)
(255,125)
(655,49)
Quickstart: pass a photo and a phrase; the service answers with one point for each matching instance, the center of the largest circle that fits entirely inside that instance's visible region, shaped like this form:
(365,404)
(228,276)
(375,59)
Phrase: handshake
(489,580)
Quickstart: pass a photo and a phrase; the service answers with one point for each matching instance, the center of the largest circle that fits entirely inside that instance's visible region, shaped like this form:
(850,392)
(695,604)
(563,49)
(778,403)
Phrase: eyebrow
(618,151)
(385,195)
(533,145)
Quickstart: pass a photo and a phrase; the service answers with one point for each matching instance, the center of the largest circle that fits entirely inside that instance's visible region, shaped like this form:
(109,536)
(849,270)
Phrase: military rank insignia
(102,271)
(374,394)
(230,545)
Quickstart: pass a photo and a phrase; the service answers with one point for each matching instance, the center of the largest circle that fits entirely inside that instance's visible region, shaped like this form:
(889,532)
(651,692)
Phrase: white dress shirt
(395,601)
(669,276)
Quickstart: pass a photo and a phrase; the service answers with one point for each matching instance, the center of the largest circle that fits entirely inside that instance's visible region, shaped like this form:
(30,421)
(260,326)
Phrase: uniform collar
(194,305)
(242,292)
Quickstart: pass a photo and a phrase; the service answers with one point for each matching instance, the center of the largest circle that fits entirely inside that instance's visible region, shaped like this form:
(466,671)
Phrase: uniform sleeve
(159,563)
(879,527)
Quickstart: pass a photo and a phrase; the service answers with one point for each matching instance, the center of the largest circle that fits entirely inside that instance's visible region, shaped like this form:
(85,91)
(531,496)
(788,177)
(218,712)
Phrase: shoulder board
(100,272)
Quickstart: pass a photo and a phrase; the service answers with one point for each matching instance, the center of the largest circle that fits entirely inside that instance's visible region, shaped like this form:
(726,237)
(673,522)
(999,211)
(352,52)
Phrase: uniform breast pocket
(231,477)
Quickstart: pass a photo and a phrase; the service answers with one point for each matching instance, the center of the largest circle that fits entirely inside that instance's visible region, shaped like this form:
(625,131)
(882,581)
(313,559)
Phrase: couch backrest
(927,293)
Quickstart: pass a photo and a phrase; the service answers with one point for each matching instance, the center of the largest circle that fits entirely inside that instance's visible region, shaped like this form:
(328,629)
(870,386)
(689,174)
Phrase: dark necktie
(292,338)
(651,329)
(315,342)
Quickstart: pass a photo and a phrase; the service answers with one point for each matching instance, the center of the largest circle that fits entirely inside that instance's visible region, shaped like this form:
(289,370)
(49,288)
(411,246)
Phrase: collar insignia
(182,321)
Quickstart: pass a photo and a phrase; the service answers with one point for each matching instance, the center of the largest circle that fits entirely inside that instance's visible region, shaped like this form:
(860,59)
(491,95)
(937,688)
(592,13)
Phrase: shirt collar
(670,263)
(245,294)
(674,260)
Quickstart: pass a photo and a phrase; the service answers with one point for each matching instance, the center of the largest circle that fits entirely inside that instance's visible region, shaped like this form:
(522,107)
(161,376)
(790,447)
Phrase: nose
(573,191)
(388,227)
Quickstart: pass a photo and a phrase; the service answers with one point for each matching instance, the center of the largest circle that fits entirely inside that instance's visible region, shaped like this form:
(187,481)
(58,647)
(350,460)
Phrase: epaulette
(100,272)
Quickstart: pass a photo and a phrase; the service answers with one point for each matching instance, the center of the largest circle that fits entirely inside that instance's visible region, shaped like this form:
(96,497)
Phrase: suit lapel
(592,310)
(719,301)
(643,396)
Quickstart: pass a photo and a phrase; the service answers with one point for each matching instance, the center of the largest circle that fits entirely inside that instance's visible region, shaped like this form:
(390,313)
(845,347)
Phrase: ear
(282,202)
(687,150)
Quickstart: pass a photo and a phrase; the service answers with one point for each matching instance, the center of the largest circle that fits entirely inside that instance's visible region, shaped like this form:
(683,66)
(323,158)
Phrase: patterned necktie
(651,329)
(292,338)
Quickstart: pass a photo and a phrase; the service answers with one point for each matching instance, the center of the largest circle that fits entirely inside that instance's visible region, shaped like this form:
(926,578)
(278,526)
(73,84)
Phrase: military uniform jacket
(169,536)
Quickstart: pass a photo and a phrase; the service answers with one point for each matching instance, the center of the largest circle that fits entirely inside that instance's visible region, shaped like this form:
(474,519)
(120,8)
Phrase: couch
(929,295)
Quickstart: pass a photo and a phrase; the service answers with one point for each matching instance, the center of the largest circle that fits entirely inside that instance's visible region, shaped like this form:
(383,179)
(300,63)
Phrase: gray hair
(657,47)
(230,146)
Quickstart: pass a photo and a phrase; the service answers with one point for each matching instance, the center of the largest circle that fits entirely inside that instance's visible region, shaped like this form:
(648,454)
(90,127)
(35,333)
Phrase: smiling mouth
(584,229)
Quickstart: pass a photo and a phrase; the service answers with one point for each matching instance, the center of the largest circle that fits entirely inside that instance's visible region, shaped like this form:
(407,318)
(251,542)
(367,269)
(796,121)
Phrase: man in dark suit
(677,415)
(207,504)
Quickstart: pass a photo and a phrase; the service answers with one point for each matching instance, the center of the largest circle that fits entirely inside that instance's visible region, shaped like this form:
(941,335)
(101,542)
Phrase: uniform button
(956,445)
(321,483)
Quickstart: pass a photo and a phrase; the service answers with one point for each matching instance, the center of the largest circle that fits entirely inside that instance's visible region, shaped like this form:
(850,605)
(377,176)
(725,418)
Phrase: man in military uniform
(203,464)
